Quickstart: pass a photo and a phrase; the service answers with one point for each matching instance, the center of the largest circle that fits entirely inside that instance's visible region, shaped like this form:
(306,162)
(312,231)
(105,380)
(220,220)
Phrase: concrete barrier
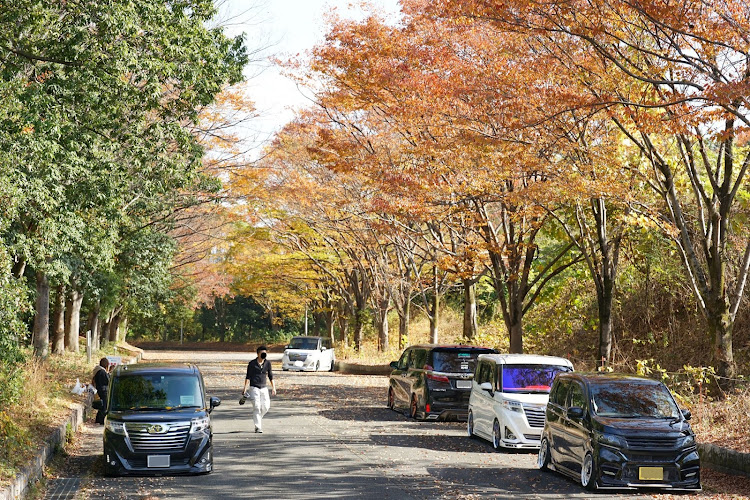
(724,459)
(358,369)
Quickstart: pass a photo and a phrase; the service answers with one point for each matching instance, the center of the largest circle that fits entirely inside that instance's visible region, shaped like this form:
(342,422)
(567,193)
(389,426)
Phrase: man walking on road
(258,370)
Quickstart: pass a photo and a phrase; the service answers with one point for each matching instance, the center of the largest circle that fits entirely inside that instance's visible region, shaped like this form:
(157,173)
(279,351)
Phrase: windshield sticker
(187,400)
(464,354)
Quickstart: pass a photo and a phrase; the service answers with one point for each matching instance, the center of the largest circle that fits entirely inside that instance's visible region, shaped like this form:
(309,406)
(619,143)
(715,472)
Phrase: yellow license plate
(651,473)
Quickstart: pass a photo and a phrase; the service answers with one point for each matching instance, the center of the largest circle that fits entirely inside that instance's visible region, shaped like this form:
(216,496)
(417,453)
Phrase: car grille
(534,415)
(652,442)
(297,357)
(142,440)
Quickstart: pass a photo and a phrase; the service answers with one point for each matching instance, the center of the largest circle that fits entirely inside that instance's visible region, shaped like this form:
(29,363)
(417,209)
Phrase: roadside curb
(31,473)
(357,369)
(724,459)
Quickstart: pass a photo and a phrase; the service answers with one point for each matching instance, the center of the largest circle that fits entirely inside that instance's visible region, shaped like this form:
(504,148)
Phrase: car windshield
(529,379)
(456,361)
(155,392)
(633,399)
(303,343)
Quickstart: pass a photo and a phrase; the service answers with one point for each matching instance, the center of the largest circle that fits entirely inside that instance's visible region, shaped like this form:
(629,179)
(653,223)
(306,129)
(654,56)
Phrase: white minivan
(308,354)
(509,397)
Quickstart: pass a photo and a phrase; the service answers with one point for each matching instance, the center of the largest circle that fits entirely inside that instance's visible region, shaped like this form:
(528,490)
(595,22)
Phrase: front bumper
(196,457)
(619,469)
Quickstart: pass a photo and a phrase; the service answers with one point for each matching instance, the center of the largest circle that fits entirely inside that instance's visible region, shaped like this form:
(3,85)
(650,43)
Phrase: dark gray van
(433,382)
(158,421)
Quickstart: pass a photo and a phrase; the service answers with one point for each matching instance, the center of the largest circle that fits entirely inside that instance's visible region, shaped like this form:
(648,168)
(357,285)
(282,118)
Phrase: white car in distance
(308,354)
(509,396)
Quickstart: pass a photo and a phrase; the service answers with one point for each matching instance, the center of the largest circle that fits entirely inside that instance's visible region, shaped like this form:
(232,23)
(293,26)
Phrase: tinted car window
(576,396)
(135,392)
(484,372)
(404,360)
(455,360)
(303,343)
(528,379)
(629,399)
(420,358)
(560,393)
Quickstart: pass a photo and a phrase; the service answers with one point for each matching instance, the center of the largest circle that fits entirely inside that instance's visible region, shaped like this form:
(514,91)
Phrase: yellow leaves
(27,129)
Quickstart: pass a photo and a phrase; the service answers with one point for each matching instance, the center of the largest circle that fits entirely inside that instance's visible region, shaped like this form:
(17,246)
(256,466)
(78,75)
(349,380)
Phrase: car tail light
(427,408)
(432,376)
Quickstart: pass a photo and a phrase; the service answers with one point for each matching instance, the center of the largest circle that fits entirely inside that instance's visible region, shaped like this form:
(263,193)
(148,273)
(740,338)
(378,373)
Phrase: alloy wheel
(588,472)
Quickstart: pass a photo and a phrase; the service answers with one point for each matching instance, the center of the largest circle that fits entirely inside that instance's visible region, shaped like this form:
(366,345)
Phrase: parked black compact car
(158,421)
(618,431)
(434,381)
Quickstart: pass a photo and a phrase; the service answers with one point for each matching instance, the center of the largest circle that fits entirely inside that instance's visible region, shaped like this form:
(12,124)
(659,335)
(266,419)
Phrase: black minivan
(618,431)
(434,381)
(158,421)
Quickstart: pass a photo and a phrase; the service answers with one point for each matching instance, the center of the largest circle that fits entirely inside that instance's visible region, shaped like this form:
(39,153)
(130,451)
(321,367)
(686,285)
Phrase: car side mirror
(394,365)
(575,412)
(686,414)
(486,386)
(323,348)
(213,402)
(97,404)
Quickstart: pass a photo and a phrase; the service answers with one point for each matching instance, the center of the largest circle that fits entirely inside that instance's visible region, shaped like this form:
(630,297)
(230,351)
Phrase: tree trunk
(40,333)
(122,329)
(92,324)
(58,321)
(73,320)
(358,328)
(604,302)
(114,327)
(403,325)
(344,329)
(470,309)
(434,306)
(383,327)
(515,326)
(720,327)
(19,267)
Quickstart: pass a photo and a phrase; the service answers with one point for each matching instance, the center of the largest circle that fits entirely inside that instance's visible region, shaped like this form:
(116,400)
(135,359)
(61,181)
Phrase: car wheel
(542,461)
(496,435)
(470,425)
(413,407)
(391,399)
(333,363)
(588,472)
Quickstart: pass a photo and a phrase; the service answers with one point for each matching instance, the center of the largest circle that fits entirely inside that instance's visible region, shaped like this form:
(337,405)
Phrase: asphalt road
(327,435)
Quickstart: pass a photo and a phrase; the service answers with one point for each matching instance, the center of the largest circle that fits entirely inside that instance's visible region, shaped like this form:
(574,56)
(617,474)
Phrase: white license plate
(298,364)
(651,473)
(157,461)
(463,384)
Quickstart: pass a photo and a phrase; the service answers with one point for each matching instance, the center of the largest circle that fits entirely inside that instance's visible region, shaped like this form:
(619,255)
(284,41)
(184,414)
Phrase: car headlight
(612,440)
(687,441)
(115,427)
(512,405)
(199,425)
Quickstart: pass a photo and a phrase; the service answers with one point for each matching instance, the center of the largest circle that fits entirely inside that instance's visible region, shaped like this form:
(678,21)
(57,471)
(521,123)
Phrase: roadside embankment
(724,459)
(62,433)
(360,369)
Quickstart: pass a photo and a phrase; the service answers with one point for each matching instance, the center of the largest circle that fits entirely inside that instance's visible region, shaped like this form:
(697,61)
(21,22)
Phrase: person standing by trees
(100,381)
(259,373)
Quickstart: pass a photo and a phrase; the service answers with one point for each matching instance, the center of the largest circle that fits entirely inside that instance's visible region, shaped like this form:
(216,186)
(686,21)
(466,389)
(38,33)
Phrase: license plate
(158,461)
(651,473)
(463,384)
(298,364)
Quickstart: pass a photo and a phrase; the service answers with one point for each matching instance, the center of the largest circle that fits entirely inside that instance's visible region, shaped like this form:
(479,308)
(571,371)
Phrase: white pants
(261,403)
